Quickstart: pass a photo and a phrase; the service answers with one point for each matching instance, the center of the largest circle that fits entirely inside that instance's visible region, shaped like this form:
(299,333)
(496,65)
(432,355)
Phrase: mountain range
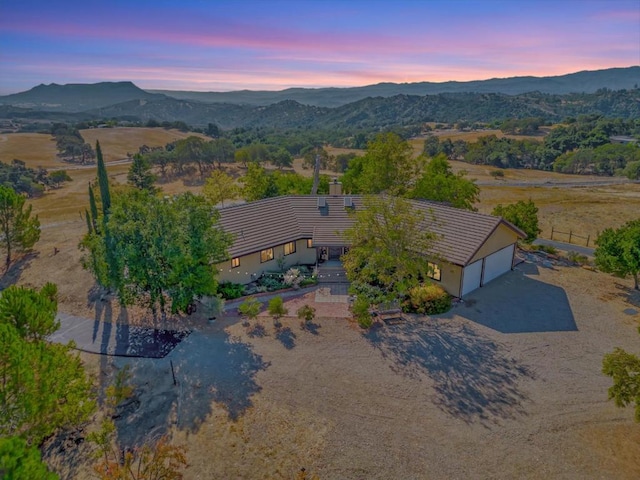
(611,92)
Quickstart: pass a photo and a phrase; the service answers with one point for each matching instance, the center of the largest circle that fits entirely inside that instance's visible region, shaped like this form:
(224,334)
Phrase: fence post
(570,233)
(551,232)
(588,236)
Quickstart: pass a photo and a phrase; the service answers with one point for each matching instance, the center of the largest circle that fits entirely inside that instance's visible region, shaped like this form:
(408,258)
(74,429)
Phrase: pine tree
(19,230)
(140,174)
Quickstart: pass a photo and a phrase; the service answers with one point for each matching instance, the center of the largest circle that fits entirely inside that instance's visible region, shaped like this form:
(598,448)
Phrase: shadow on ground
(212,368)
(515,303)
(11,276)
(286,337)
(473,378)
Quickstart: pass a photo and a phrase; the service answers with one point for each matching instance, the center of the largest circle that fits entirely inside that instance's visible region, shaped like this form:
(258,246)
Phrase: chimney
(335,187)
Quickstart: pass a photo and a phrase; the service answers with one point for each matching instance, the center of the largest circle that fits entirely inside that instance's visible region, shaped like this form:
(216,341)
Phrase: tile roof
(274,221)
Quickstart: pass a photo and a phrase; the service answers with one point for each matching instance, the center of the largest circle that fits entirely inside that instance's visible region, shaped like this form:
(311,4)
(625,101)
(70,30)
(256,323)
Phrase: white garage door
(497,263)
(471,277)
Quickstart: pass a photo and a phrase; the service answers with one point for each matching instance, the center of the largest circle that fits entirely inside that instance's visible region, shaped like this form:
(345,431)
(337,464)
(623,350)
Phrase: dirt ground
(506,385)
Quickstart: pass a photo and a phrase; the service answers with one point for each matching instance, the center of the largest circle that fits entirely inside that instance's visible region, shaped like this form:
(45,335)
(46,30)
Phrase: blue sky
(271,45)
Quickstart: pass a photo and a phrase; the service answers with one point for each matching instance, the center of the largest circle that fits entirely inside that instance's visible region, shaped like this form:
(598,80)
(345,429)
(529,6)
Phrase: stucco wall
(251,263)
(500,238)
(451,278)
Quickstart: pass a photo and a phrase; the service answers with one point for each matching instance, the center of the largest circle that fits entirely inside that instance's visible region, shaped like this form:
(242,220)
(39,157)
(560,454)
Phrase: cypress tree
(105,195)
(88,219)
(94,210)
(103,182)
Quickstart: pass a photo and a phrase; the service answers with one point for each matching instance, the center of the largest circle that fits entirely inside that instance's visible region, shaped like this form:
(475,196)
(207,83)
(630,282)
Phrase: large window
(235,262)
(434,271)
(266,255)
(289,248)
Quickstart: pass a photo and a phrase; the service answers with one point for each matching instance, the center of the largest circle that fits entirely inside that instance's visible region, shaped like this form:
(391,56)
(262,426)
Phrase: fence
(571,236)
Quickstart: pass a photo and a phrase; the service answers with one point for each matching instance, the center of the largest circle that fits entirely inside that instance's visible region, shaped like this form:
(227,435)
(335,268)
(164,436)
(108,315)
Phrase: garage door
(471,277)
(497,263)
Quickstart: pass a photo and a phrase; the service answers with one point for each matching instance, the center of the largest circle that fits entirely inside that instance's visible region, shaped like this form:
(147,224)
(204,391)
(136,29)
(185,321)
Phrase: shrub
(293,278)
(361,313)
(428,299)
(547,249)
(306,313)
(277,309)
(577,258)
(271,284)
(308,281)
(250,308)
(230,290)
(497,173)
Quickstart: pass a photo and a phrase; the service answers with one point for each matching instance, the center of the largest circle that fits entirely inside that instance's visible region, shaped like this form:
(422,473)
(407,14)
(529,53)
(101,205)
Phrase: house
(472,248)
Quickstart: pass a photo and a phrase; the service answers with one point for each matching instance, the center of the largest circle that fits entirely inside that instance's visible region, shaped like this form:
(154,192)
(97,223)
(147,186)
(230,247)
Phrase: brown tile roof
(274,221)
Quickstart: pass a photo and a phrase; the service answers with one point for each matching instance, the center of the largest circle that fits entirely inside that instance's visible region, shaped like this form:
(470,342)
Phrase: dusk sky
(221,45)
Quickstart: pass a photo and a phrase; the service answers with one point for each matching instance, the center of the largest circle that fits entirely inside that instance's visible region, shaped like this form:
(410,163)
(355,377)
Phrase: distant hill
(381,112)
(77,97)
(581,82)
(374,108)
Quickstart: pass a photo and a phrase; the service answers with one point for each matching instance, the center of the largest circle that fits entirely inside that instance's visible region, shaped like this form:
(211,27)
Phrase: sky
(223,45)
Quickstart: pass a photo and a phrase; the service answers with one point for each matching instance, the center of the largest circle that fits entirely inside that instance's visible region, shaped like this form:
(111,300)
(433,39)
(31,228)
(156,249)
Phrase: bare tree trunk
(316,176)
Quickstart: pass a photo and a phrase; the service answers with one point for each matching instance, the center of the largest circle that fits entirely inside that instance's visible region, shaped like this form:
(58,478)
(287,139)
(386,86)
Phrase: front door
(335,253)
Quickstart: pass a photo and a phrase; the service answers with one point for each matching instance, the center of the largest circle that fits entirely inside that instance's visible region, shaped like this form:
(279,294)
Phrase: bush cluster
(428,299)
(230,290)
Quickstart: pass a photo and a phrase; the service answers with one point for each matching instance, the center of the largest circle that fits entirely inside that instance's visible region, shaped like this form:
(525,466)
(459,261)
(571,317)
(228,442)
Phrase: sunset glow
(272,45)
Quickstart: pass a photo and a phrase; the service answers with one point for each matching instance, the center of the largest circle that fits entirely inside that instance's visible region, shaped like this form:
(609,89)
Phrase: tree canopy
(438,183)
(20,231)
(388,166)
(140,175)
(389,247)
(164,248)
(523,215)
(219,187)
(624,368)
(44,386)
(618,251)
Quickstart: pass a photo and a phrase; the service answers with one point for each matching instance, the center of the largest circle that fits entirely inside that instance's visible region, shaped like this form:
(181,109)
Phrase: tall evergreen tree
(103,182)
(93,208)
(140,174)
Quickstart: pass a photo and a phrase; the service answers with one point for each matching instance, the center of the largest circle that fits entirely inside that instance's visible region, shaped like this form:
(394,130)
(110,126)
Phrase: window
(309,243)
(266,255)
(289,248)
(434,271)
(235,262)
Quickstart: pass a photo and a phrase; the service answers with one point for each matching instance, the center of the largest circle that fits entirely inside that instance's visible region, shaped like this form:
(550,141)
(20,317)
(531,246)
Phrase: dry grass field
(37,149)
(116,143)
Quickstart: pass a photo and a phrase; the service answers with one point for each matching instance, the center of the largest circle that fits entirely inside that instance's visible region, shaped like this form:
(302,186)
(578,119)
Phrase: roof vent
(322,202)
(348,202)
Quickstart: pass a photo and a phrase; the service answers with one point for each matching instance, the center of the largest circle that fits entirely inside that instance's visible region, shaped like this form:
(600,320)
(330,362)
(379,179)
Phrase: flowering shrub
(293,277)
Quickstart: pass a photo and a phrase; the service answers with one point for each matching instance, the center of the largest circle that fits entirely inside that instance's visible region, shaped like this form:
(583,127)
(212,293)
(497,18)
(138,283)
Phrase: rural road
(567,247)
(580,183)
(122,161)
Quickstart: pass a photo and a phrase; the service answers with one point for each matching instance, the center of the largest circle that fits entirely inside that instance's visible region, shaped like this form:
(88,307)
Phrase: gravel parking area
(506,385)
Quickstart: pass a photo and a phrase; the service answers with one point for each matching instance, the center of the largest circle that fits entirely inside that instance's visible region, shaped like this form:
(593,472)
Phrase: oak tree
(523,215)
(618,251)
